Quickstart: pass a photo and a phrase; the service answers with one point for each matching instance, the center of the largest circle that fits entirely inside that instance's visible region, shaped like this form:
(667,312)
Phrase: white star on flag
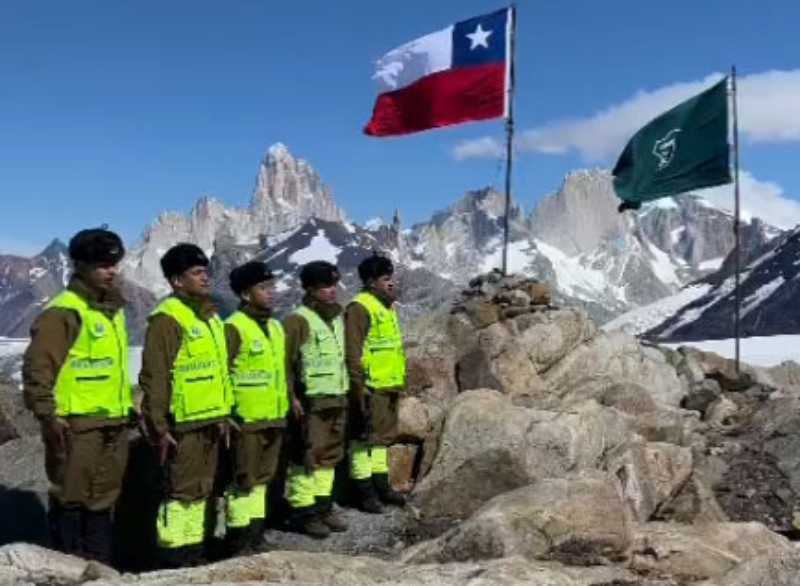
(479,38)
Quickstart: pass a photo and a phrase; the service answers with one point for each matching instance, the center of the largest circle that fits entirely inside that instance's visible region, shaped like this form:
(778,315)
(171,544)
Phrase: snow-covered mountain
(28,283)
(705,311)
(287,193)
(574,239)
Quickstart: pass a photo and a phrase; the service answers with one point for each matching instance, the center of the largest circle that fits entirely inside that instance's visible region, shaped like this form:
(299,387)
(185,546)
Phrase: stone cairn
(493,297)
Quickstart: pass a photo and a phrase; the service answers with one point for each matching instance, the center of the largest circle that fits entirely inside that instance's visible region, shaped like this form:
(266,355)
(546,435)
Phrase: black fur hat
(251,273)
(182,257)
(96,246)
(318,273)
(374,267)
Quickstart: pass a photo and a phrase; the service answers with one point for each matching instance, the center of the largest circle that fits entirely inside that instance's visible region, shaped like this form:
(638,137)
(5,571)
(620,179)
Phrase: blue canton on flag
(480,40)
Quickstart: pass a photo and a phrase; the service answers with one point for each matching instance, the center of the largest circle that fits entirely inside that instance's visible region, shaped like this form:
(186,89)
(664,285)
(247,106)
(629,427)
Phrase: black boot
(329,515)
(365,498)
(68,530)
(385,491)
(306,520)
(256,536)
(172,558)
(237,541)
(98,535)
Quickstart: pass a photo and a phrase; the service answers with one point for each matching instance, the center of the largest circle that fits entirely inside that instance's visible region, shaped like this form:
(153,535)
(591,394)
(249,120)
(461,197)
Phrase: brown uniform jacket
(161,346)
(356,328)
(234,343)
(297,331)
(52,336)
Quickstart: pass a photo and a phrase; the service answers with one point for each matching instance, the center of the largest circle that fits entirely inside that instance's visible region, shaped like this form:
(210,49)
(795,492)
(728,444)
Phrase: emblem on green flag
(685,148)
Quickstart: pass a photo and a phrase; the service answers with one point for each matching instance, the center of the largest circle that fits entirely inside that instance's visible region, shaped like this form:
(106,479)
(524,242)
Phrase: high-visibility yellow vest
(259,375)
(322,366)
(200,380)
(94,380)
(383,358)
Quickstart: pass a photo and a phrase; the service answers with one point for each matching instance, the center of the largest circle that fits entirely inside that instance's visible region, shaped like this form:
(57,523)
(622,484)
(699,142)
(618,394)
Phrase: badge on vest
(196,332)
(257,346)
(98,329)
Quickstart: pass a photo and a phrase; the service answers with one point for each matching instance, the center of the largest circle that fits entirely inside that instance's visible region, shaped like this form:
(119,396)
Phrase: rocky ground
(537,449)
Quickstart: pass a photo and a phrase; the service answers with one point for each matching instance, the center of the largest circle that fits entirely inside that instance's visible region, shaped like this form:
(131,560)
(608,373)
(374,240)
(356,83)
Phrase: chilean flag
(459,74)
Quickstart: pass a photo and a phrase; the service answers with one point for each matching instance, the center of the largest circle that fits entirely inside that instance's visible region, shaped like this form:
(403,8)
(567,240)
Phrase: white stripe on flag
(408,63)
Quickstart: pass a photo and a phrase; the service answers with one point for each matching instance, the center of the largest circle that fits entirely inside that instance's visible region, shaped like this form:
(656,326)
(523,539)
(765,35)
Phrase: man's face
(193,282)
(386,286)
(100,277)
(325,293)
(261,295)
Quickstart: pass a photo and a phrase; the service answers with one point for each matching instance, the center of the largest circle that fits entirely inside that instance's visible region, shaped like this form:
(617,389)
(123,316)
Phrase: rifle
(366,414)
(166,480)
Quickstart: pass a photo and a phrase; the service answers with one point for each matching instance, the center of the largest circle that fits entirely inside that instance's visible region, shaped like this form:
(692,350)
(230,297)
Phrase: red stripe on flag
(448,97)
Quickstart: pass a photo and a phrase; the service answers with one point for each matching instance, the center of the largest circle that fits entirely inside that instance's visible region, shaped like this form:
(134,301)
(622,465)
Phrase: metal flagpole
(736,222)
(512,41)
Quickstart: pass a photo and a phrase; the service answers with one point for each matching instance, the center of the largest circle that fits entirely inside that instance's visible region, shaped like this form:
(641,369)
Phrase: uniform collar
(327,311)
(109,301)
(203,307)
(262,316)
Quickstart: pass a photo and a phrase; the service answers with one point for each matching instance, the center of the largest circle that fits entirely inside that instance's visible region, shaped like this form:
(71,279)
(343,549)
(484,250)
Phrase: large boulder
(510,355)
(23,563)
(489,446)
(420,423)
(651,475)
(610,358)
(15,420)
(578,521)
(23,491)
(693,552)
(770,570)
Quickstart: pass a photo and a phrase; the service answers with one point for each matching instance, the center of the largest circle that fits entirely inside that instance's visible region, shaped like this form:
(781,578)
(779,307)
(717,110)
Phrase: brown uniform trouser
(317,447)
(182,517)
(383,419)
(193,464)
(326,437)
(255,455)
(88,472)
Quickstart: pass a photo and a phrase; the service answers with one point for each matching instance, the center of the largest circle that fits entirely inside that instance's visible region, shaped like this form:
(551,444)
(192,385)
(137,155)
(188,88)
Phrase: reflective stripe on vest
(200,381)
(259,374)
(322,364)
(93,380)
(383,358)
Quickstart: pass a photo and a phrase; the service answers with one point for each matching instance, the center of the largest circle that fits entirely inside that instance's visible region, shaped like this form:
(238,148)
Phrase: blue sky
(113,111)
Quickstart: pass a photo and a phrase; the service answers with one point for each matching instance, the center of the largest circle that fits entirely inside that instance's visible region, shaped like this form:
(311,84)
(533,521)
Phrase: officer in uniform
(76,383)
(377,371)
(257,359)
(317,376)
(187,400)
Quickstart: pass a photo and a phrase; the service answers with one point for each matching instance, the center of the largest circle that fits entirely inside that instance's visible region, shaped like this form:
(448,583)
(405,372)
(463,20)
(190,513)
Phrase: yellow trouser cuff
(323,480)
(360,461)
(180,523)
(245,505)
(302,488)
(380,459)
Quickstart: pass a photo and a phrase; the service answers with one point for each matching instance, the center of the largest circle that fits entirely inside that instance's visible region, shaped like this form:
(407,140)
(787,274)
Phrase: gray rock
(769,570)
(578,521)
(490,446)
(694,552)
(651,475)
(23,491)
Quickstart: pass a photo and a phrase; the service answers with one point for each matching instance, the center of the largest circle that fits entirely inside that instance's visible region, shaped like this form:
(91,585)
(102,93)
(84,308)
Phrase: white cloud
(763,199)
(768,113)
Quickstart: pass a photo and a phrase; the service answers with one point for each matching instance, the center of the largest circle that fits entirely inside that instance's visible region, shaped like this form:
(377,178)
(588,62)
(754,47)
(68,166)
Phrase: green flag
(685,148)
